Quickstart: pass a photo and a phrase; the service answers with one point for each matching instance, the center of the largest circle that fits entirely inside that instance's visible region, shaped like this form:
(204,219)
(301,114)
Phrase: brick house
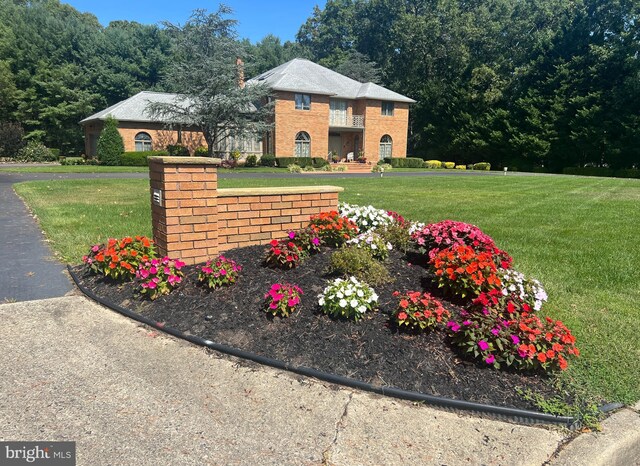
(317,112)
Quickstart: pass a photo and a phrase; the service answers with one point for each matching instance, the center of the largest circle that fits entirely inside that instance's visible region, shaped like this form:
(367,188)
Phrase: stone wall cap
(278,190)
(168,160)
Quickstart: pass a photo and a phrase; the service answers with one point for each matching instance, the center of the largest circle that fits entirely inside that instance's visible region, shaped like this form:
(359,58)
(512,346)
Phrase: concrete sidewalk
(73,370)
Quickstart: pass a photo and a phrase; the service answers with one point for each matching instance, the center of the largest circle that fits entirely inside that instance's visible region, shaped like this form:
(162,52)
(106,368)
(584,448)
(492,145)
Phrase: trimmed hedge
(482,166)
(302,162)
(268,160)
(408,162)
(449,165)
(177,150)
(139,159)
(432,164)
(606,172)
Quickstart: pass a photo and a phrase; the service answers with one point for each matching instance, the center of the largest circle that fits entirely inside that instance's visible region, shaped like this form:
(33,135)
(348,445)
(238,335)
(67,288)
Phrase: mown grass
(576,235)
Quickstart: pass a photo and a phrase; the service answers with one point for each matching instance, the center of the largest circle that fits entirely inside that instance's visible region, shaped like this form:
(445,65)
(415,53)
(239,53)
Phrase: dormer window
(303,102)
(387,108)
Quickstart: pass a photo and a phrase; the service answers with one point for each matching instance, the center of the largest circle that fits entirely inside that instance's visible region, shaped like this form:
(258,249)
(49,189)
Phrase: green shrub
(432,164)
(461,167)
(139,159)
(11,139)
(482,166)
(381,167)
(251,161)
(72,161)
(601,171)
(408,162)
(293,168)
(325,168)
(449,165)
(340,168)
(110,144)
(35,152)
(55,153)
(308,168)
(319,162)
(397,234)
(201,152)
(177,150)
(360,264)
(268,160)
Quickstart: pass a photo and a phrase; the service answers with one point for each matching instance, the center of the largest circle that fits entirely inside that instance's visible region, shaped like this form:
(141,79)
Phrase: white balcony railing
(347,121)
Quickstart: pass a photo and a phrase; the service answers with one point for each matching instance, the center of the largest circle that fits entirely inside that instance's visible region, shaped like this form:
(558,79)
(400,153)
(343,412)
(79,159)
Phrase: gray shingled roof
(134,108)
(300,75)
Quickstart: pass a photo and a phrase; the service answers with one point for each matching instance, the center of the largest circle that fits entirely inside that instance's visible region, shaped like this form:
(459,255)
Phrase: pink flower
(490,359)
(144,273)
(515,339)
(315,241)
(293,301)
(273,305)
(152,285)
(275,286)
(153,270)
(292,234)
(483,345)
(96,248)
(466,322)
(223,272)
(178,264)
(495,331)
(207,270)
(453,326)
(167,270)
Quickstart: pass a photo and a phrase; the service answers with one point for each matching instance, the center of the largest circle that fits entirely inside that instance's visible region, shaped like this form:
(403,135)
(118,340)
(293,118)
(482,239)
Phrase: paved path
(75,371)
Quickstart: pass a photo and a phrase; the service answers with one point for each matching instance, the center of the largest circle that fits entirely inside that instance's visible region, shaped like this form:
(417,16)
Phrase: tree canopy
(519,83)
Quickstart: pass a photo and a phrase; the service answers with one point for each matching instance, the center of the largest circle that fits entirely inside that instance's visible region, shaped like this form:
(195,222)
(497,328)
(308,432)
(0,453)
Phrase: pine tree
(110,144)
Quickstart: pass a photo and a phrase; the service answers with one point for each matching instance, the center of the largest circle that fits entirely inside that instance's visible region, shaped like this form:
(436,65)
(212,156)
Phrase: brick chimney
(240,70)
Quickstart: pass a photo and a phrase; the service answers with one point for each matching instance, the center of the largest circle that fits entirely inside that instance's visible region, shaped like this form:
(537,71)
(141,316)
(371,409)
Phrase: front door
(335,144)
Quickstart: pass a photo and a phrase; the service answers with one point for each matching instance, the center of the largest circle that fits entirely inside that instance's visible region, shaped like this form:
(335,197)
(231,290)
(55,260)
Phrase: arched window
(143,142)
(386,144)
(303,144)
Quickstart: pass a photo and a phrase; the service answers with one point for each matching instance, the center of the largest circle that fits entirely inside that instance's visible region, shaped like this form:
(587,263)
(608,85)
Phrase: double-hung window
(387,108)
(303,102)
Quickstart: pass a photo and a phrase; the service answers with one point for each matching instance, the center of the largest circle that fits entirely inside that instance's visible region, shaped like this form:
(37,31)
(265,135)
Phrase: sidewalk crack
(340,424)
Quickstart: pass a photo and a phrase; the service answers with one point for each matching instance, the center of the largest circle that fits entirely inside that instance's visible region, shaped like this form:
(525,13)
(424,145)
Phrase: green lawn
(105,169)
(578,236)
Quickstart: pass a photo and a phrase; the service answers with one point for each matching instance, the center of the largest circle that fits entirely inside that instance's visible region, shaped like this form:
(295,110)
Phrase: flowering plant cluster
(432,238)
(219,272)
(399,219)
(526,290)
(158,277)
(347,298)
(365,217)
(119,258)
(306,239)
(283,254)
(524,342)
(419,311)
(332,228)
(282,299)
(372,242)
(463,271)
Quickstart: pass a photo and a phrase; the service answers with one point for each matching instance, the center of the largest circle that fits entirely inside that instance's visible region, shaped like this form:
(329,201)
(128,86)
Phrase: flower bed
(441,324)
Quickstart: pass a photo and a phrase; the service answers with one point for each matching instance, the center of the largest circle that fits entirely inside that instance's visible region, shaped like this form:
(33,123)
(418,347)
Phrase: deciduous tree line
(525,83)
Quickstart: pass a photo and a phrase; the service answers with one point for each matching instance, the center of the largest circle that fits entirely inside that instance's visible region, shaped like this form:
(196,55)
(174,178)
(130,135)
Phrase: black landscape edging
(513,414)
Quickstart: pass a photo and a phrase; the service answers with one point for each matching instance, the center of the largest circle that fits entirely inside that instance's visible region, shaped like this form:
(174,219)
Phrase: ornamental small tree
(110,144)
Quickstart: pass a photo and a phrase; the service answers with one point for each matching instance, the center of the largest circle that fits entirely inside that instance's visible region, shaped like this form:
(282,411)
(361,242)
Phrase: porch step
(354,167)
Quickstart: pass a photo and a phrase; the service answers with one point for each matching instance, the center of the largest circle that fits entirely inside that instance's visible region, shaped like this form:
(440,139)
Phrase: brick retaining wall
(193,220)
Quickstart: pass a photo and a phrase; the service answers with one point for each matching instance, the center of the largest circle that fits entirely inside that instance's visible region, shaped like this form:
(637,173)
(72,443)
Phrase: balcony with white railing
(346,121)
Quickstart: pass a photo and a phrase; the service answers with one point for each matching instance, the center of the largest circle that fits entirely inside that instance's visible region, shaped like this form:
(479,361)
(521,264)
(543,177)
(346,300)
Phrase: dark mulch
(372,350)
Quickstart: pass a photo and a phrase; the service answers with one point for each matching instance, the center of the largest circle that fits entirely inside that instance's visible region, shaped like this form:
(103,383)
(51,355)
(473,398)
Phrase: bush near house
(408,162)
(482,166)
(302,162)
(268,160)
(177,150)
(251,161)
(36,152)
(139,159)
(110,144)
(432,164)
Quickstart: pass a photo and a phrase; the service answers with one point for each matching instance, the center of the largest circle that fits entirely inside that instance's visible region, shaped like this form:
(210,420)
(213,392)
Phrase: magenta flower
(152,285)
(153,270)
(515,339)
(490,359)
(453,326)
(495,331)
(292,234)
(483,345)
(466,322)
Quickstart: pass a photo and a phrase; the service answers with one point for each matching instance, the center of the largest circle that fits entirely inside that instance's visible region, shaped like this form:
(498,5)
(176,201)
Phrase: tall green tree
(205,74)
(110,143)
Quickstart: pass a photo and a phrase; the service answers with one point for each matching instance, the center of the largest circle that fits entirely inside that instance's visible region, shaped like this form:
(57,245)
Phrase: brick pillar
(184,207)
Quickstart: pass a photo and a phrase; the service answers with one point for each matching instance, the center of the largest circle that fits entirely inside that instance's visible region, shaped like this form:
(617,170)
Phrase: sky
(256,19)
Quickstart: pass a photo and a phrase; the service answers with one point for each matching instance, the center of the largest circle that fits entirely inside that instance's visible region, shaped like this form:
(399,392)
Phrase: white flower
(339,295)
(362,309)
(343,303)
(360,293)
(354,303)
(348,292)
(321,300)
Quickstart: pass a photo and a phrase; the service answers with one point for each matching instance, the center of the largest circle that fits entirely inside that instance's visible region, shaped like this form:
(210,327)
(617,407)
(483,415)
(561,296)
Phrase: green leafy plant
(306,239)
(219,272)
(349,298)
(201,152)
(251,161)
(110,144)
(293,168)
(282,299)
(35,151)
(177,150)
(372,242)
(360,264)
(268,160)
